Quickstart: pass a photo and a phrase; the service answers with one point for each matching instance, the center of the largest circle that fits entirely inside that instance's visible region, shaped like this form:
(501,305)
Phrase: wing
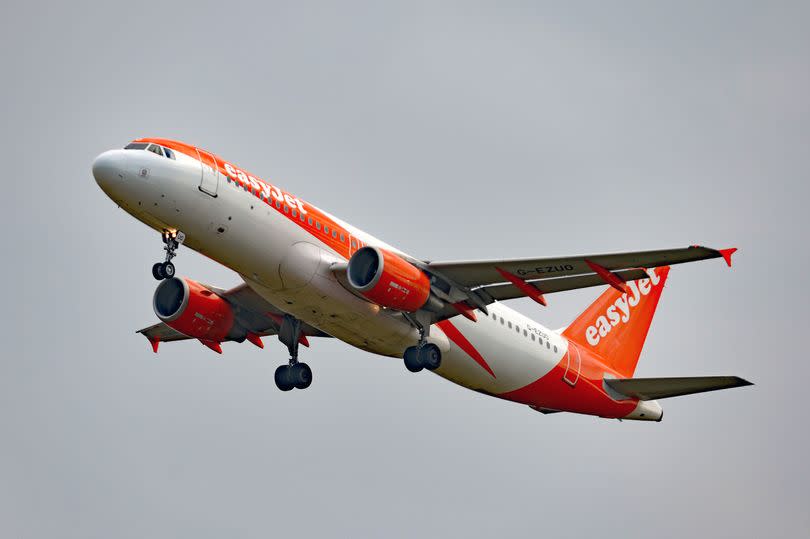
(474,284)
(484,272)
(257,315)
(463,287)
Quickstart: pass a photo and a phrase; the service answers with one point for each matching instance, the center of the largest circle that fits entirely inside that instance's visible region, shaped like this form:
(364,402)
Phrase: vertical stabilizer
(616,324)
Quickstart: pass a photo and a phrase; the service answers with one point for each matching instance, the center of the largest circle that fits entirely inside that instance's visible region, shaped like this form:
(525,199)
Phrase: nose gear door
(209,181)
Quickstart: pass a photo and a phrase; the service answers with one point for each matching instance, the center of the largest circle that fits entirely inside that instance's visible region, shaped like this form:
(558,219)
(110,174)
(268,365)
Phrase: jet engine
(193,310)
(388,280)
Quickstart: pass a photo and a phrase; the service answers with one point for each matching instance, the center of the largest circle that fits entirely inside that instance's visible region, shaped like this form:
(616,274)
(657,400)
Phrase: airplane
(309,274)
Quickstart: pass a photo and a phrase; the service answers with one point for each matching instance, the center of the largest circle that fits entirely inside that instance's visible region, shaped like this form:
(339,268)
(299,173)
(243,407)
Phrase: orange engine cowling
(388,280)
(190,308)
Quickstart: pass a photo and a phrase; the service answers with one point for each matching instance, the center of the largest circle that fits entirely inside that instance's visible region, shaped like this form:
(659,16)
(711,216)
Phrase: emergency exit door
(209,181)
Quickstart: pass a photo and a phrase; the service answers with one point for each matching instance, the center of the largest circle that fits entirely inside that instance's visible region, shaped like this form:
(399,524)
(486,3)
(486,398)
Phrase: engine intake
(388,280)
(193,310)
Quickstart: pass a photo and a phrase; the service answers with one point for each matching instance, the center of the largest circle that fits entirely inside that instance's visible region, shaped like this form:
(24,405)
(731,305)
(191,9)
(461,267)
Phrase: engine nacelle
(193,310)
(388,280)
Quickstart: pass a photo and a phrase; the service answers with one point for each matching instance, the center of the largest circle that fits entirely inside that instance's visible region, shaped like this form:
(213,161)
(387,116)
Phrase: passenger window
(548,344)
(286,209)
(325,229)
(354,244)
(295,213)
(318,225)
(517,329)
(309,221)
(334,233)
(555,348)
(525,333)
(532,336)
(303,218)
(540,341)
(342,238)
(494,316)
(502,320)
(278,205)
(510,325)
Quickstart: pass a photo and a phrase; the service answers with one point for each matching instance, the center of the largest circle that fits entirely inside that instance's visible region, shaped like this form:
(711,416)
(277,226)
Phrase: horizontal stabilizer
(660,388)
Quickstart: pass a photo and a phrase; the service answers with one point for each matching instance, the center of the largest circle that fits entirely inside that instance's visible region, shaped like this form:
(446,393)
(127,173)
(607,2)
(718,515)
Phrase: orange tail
(616,324)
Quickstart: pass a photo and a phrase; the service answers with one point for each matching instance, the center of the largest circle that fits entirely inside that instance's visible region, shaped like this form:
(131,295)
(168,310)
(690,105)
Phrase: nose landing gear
(295,374)
(172,241)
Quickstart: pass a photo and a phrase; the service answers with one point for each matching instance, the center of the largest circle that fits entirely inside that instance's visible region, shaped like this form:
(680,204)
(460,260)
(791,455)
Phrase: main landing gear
(424,355)
(428,356)
(172,242)
(295,374)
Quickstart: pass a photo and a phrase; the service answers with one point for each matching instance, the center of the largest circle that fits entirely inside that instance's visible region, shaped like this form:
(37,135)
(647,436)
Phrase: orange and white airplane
(309,274)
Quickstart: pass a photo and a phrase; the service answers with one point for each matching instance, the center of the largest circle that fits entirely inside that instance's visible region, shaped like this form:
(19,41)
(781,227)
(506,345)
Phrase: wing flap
(661,388)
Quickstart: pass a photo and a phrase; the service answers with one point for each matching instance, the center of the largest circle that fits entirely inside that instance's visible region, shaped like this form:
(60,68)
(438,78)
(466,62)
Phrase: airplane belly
(326,305)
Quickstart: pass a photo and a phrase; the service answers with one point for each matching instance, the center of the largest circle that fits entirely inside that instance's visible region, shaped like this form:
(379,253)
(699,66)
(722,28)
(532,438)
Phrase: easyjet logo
(263,189)
(621,310)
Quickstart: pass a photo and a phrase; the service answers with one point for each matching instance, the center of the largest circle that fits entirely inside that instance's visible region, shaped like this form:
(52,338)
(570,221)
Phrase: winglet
(155,342)
(529,289)
(726,254)
(609,277)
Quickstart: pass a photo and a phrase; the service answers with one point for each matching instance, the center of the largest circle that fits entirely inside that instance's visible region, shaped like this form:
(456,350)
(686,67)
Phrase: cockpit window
(154,148)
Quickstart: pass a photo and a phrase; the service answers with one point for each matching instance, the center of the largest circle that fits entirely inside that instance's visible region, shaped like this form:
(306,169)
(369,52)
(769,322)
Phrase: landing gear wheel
(167,268)
(430,357)
(172,241)
(283,379)
(301,375)
(411,357)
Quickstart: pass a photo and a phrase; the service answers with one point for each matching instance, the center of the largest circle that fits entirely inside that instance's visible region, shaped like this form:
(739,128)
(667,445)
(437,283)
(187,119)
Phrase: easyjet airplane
(309,274)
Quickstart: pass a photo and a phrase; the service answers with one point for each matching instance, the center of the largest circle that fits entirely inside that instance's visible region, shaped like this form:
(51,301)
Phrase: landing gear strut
(424,355)
(295,374)
(172,242)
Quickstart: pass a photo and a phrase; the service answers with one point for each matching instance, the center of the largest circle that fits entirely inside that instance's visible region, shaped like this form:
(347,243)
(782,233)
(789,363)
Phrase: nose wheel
(172,242)
(295,374)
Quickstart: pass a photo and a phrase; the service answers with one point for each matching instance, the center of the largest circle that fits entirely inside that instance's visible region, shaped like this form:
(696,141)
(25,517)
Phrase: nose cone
(108,168)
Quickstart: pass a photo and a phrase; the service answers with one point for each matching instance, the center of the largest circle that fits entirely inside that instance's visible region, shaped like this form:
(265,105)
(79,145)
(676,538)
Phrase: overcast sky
(455,132)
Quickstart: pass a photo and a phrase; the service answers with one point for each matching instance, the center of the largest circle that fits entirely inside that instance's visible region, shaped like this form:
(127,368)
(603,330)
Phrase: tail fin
(616,324)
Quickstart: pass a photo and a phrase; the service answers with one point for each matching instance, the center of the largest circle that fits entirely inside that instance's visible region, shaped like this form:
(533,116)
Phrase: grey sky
(466,131)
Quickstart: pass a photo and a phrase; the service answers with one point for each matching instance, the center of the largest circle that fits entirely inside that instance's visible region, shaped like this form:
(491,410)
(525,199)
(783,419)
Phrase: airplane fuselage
(285,248)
